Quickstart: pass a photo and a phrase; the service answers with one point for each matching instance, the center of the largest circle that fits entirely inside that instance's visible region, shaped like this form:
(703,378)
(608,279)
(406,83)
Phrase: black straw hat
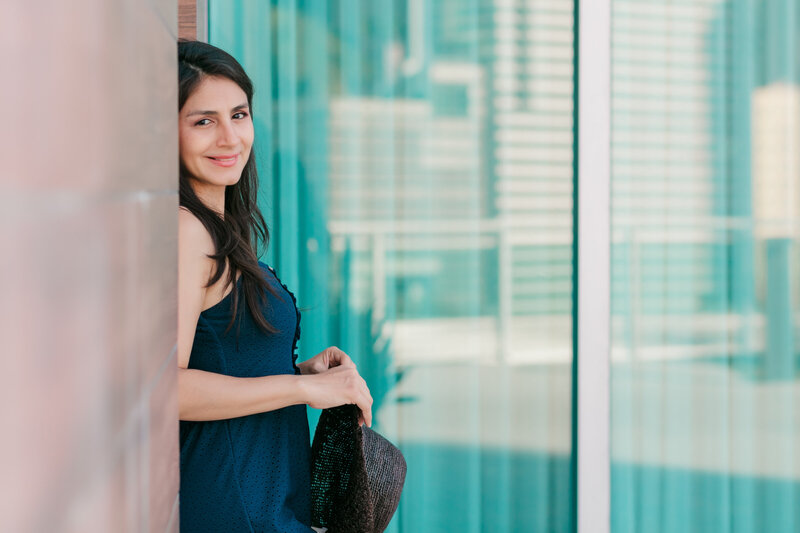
(356,474)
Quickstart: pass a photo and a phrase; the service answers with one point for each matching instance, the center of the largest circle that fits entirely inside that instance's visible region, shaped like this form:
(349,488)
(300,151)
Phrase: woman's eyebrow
(214,113)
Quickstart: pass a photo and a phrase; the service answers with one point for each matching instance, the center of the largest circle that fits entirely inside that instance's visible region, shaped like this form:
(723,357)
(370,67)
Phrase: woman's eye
(202,122)
(240,114)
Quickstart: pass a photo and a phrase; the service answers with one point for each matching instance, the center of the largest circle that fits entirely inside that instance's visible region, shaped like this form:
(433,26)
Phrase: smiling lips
(225,160)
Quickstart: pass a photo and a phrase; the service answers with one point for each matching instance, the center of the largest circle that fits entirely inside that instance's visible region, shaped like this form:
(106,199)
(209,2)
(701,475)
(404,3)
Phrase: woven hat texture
(357,475)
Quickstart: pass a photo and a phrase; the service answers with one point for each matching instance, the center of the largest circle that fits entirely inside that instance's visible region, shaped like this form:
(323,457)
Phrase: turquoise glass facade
(705,192)
(416,172)
(416,163)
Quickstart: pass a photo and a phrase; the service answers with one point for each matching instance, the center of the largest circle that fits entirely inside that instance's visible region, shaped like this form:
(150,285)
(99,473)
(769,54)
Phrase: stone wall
(88,242)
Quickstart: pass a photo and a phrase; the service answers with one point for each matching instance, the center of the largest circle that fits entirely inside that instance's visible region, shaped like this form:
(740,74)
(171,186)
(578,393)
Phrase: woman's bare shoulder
(192,234)
(195,245)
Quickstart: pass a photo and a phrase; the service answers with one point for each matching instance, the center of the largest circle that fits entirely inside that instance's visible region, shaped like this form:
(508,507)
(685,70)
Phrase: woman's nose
(227,135)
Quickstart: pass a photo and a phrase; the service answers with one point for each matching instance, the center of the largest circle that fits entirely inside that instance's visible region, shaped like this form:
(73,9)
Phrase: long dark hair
(237,236)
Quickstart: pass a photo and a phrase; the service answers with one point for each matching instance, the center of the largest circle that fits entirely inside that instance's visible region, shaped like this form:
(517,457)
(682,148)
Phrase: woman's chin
(229,177)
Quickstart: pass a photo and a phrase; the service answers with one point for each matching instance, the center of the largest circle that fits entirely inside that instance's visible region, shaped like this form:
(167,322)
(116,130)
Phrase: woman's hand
(338,385)
(328,358)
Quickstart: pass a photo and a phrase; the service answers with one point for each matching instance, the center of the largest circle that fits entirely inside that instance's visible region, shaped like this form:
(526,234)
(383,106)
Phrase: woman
(242,396)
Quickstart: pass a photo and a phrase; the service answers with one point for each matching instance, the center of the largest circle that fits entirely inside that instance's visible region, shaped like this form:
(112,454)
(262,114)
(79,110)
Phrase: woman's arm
(210,396)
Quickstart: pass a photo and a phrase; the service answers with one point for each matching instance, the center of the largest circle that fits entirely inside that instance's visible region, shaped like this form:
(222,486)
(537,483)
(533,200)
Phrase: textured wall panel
(88,215)
(157,299)
(164,457)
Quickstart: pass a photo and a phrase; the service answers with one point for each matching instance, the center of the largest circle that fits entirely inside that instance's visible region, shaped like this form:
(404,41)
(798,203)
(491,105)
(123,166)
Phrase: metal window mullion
(593,22)
(202,21)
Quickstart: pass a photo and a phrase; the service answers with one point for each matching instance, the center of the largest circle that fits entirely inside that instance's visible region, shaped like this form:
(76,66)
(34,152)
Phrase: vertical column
(593,21)
(88,224)
(201,20)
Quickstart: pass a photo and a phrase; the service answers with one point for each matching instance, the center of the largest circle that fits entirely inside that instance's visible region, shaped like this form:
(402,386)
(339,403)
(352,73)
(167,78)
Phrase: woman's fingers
(365,404)
(364,401)
(359,395)
(337,357)
(328,358)
(341,385)
(366,413)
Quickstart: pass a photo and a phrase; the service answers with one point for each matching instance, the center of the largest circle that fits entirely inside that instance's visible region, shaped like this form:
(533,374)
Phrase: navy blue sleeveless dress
(247,474)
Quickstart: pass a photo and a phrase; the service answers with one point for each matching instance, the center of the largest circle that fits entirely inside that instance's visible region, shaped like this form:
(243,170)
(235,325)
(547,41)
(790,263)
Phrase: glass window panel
(416,166)
(705,195)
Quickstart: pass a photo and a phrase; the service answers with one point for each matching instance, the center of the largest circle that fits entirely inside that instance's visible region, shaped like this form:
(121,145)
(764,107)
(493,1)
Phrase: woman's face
(215,135)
